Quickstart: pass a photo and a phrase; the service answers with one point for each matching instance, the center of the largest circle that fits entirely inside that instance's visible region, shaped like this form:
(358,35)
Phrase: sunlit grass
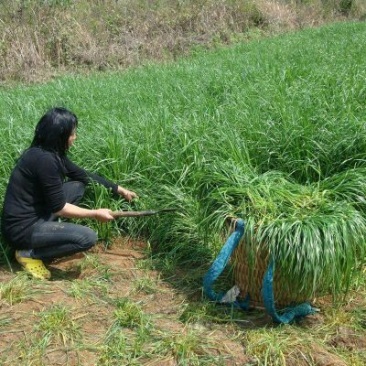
(146,284)
(205,104)
(57,325)
(91,263)
(89,288)
(272,132)
(129,314)
(17,290)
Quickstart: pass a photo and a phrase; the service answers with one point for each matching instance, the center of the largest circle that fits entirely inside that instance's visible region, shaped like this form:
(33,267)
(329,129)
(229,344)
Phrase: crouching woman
(44,186)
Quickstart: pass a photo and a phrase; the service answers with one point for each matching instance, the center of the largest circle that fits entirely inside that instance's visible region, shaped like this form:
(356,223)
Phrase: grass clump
(56,325)
(130,315)
(17,290)
(88,288)
(91,264)
(145,284)
(121,345)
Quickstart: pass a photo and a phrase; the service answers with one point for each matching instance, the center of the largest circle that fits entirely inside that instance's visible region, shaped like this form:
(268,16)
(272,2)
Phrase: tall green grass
(271,131)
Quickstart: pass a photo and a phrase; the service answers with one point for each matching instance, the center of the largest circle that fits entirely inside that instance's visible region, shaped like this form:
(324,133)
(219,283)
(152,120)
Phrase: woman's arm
(77,173)
(75,212)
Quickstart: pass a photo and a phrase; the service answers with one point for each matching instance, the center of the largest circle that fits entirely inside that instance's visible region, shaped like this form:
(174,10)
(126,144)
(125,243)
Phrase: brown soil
(93,314)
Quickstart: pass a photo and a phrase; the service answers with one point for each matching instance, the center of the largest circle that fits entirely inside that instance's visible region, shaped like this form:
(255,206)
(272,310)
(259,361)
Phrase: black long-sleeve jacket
(35,191)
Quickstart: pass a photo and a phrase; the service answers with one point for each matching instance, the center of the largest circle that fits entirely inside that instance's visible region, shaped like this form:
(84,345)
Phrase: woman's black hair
(54,129)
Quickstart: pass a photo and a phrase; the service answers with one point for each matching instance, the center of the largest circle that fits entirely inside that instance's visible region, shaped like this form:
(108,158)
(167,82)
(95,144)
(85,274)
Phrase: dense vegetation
(269,129)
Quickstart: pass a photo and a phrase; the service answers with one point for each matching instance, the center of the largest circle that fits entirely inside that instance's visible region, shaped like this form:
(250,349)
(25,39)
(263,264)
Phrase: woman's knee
(54,240)
(87,238)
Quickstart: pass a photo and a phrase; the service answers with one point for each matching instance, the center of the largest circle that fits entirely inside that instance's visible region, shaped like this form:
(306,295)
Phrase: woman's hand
(128,195)
(103,214)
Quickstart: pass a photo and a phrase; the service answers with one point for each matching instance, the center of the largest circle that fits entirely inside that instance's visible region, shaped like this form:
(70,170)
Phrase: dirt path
(89,287)
(71,320)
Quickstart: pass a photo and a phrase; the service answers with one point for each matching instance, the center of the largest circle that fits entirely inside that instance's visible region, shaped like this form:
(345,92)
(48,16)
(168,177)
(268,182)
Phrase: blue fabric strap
(220,263)
(287,315)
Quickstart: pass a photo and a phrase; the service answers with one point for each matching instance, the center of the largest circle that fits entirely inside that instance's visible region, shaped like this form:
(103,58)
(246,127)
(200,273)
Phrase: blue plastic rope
(220,263)
(289,314)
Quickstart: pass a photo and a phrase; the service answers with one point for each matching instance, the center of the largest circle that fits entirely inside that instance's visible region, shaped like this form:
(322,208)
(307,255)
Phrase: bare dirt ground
(89,286)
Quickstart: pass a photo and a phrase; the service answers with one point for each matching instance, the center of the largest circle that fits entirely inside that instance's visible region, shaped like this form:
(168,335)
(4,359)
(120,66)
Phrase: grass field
(271,131)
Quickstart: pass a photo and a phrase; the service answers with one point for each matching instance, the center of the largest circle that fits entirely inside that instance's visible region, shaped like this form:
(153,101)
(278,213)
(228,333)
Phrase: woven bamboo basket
(249,272)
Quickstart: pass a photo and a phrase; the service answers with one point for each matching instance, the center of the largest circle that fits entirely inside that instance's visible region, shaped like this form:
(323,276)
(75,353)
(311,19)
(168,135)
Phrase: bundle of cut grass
(314,233)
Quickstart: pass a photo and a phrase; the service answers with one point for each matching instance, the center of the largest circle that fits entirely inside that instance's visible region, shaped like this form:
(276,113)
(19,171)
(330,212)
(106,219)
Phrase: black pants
(52,239)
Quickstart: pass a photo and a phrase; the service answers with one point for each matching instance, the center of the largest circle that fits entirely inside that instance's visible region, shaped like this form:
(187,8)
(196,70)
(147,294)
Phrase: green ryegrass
(129,314)
(204,312)
(17,290)
(145,284)
(91,262)
(271,131)
(90,288)
(56,325)
(114,350)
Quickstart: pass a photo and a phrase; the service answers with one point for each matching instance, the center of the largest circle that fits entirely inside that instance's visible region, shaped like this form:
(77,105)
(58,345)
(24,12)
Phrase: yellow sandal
(33,266)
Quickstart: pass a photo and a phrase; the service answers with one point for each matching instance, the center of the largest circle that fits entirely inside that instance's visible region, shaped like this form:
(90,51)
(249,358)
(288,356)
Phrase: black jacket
(35,191)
